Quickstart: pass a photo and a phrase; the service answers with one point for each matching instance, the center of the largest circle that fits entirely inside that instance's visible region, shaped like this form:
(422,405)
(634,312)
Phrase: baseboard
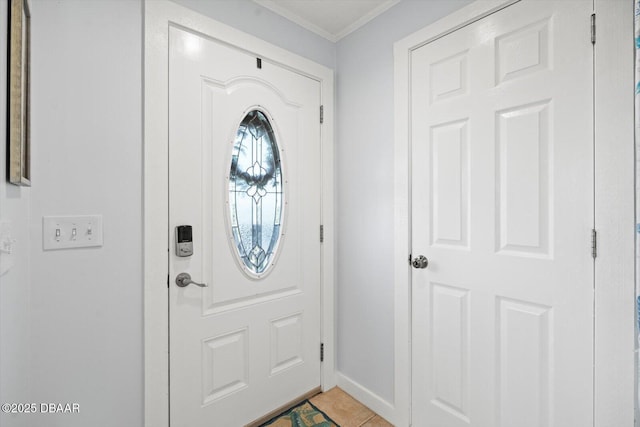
(365,396)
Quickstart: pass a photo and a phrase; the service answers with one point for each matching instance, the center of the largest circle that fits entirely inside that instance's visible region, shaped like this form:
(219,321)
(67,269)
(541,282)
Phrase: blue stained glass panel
(255,192)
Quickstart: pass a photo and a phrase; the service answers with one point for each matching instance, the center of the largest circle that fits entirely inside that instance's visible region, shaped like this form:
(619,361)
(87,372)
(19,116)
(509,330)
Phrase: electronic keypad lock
(184,241)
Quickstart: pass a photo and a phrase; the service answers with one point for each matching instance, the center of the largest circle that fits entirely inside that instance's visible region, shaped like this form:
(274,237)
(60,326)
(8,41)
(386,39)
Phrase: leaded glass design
(255,192)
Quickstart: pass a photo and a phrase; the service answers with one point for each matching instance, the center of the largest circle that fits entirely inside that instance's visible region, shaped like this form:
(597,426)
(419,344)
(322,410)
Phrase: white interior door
(244,144)
(502,208)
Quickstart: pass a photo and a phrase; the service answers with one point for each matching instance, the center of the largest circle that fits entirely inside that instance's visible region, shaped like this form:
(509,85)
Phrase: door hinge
(321,114)
(594,243)
(321,233)
(409,259)
(167,280)
(259,63)
(322,352)
(593,28)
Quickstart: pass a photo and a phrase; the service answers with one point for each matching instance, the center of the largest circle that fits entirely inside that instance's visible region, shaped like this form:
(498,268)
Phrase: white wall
(86,304)
(14,285)
(365,192)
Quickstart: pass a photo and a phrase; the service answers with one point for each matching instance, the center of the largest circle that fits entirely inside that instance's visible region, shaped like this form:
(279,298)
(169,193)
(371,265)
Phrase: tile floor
(346,411)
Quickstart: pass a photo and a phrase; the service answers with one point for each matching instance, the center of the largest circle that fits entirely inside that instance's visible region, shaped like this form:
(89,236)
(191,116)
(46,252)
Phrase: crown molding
(310,26)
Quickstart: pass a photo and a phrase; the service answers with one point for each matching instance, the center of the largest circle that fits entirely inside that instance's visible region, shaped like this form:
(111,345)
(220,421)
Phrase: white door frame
(159,15)
(614,207)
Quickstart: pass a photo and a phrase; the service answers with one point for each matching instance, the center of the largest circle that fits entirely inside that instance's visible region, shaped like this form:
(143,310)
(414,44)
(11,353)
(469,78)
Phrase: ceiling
(331,19)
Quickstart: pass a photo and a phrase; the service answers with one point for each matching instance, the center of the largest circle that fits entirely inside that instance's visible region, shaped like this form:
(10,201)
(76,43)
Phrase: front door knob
(184,279)
(420,262)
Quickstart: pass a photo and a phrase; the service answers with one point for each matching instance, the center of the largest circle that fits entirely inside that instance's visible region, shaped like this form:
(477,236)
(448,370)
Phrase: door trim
(614,207)
(614,215)
(159,15)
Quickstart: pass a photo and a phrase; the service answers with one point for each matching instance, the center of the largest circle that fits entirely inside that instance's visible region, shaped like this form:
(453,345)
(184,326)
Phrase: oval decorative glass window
(255,192)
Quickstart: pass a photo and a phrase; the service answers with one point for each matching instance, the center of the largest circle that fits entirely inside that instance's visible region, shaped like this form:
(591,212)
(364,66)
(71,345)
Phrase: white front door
(502,208)
(244,149)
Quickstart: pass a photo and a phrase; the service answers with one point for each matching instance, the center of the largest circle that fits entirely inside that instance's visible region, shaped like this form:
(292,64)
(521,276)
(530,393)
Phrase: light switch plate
(66,232)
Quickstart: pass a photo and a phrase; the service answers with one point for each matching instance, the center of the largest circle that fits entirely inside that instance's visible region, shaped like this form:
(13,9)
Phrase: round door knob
(420,262)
